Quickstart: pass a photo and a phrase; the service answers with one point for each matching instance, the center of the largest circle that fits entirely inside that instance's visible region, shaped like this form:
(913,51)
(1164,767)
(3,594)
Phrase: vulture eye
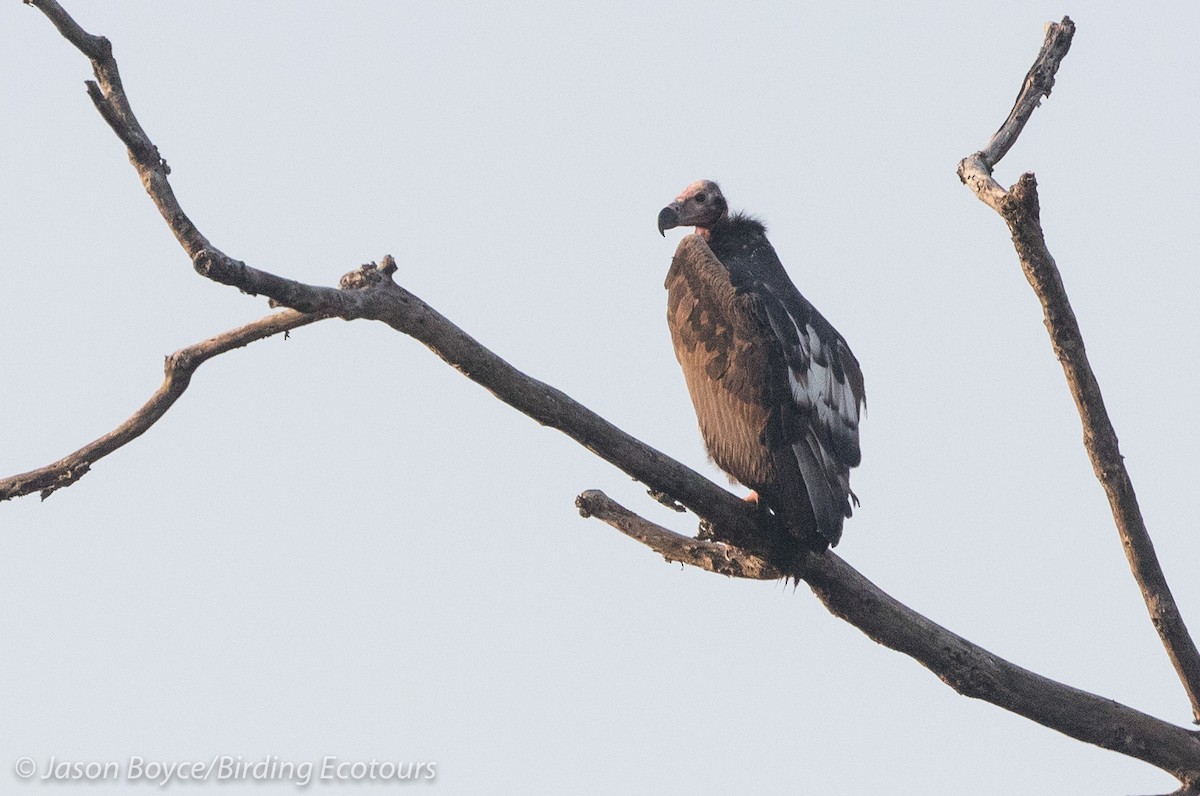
(700,198)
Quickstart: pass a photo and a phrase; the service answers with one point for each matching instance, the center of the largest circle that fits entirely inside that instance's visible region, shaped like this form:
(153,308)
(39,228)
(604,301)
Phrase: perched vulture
(776,389)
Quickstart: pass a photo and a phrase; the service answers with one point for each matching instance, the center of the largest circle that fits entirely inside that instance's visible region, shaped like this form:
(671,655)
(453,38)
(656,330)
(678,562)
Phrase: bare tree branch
(179,368)
(1020,209)
(966,667)
(376,296)
(108,94)
(371,293)
(1039,81)
(719,557)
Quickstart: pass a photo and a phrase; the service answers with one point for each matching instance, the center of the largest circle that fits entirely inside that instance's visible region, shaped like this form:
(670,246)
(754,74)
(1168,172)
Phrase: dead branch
(966,667)
(719,557)
(1020,209)
(179,368)
(371,293)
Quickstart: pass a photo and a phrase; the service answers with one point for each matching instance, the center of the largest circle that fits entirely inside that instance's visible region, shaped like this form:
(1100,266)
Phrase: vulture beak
(668,218)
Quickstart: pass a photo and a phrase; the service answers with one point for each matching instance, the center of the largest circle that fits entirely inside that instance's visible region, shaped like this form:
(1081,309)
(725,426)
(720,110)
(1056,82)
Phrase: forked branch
(1020,209)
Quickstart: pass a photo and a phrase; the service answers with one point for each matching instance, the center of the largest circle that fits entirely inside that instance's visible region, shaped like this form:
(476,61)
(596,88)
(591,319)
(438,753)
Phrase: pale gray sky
(336,545)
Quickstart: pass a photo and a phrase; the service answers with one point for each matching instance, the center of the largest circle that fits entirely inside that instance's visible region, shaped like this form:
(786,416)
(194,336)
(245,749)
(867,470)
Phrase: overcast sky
(335,545)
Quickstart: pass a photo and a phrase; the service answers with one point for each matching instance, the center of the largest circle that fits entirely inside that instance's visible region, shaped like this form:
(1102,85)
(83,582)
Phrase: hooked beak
(668,218)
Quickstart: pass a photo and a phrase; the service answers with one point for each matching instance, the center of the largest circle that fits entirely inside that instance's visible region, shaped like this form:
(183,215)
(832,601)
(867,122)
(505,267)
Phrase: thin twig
(719,557)
(1020,209)
(1039,81)
(107,93)
(976,169)
(179,368)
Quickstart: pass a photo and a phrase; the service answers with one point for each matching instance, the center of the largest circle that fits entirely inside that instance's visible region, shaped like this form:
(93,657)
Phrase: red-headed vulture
(776,389)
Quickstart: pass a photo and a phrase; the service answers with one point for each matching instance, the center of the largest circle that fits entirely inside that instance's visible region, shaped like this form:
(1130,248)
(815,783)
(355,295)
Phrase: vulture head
(700,205)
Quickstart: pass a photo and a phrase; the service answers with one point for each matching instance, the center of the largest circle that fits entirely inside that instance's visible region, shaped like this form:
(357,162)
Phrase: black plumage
(776,389)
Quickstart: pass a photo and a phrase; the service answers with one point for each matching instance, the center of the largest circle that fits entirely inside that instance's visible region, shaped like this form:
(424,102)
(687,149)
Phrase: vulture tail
(829,508)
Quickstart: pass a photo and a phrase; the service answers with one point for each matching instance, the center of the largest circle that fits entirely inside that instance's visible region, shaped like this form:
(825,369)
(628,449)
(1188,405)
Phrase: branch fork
(1020,208)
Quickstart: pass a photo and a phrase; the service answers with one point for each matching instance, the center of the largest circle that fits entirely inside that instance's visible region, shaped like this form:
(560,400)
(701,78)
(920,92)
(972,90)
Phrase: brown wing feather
(717,336)
(737,374)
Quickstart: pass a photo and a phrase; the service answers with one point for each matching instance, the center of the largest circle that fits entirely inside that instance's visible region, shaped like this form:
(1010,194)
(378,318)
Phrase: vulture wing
(716,333)
(776,389)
